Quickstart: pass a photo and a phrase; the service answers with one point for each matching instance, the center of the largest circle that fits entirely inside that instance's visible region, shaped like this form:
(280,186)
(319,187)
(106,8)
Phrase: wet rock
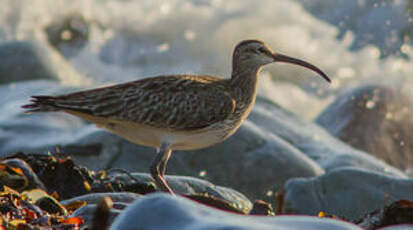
(94,198)
(87,213)
(252,161)
(60,173)
(34,209)
(398,213)
(192,188)
(162,211)
(314,141)
(348,192)
(78,180)
(262,208)
(215,202)
(30,176)
(376,119)
(196,189)
(68,34)
(18,175)
(50,205)
(398,227)
(24,60)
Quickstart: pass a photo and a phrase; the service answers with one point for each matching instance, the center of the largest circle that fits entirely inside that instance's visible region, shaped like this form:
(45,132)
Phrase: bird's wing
(174,102)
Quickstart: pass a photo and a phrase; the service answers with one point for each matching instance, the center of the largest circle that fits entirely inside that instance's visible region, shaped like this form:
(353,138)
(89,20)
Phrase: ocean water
(353,41)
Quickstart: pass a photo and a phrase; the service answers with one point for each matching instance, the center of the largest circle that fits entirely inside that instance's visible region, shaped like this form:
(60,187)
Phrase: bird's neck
(244,87)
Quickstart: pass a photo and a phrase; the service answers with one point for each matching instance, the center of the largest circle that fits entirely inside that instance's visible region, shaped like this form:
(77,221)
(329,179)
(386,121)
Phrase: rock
(50,205)
(93,198)
(252,161)
(31,180)
(162,211)
(34,209)
(314,141)
(87,213)
(195,189)
(375,118)
(262,208)
(347,192)
(399,227)
(24,60)
(20,132)
(398,213)
(59,174)
(212,201)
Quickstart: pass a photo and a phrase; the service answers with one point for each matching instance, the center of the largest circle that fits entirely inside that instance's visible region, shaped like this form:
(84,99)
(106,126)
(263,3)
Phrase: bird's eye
(261,50)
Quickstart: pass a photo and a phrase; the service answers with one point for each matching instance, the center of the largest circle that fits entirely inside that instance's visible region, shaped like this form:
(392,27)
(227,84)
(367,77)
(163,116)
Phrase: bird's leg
(164,162)
(158,168)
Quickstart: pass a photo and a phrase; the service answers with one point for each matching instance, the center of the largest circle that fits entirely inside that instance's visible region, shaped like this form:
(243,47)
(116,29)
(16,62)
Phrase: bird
(174,112)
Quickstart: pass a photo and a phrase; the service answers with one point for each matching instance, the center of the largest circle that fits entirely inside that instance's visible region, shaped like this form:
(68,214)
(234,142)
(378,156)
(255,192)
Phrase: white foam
(143,38)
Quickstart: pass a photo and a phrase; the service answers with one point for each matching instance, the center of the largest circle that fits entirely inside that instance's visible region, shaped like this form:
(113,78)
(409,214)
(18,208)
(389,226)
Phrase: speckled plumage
(175,102)
(175,111)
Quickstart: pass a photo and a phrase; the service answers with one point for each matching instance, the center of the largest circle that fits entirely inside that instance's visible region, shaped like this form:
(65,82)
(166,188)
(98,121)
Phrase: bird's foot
(163,186)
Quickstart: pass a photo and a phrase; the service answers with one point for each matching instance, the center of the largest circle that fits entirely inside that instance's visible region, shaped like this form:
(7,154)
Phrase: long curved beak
(284,58)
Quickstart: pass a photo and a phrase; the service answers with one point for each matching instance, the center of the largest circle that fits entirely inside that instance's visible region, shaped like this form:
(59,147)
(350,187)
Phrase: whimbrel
(174,112)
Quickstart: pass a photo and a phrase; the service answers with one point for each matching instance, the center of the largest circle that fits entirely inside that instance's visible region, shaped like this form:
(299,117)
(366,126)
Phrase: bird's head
(254,53)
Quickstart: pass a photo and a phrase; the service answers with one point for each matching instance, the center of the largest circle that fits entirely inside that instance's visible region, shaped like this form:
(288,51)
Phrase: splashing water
(133,39)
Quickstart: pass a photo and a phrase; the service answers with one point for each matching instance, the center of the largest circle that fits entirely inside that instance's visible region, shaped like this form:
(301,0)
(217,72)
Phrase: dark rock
(314,141)
(94,198)
(32,180)
(23,61)
(17,211)
(347,192)
(161,211)
(13,179)
(212,201)
(53,169)
(196,189)
(87,213)
(50,205)
(376,119)
(58,174)
(398,227)
(21,132)
(262,208)
(252,161)
(398,213)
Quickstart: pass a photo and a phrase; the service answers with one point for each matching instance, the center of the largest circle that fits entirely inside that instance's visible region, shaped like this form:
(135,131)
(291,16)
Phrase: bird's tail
(41,104)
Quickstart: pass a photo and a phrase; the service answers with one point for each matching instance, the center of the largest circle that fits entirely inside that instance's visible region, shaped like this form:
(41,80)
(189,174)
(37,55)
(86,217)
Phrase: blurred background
(111,41)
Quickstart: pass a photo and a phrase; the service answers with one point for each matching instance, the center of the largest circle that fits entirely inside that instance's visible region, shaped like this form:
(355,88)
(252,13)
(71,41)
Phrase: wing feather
(180,102)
